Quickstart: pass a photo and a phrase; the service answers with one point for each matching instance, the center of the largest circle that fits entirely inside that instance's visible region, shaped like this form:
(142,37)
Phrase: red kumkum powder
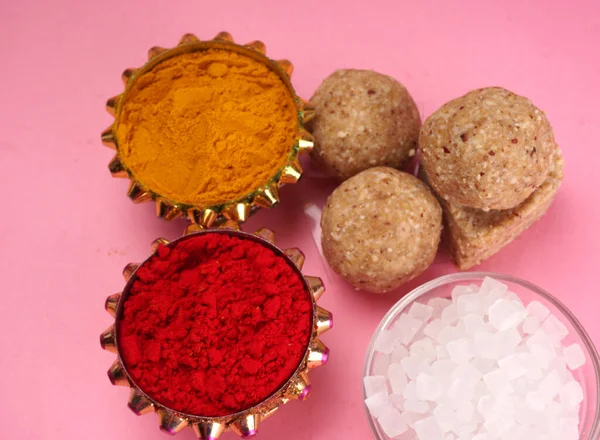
(214,324)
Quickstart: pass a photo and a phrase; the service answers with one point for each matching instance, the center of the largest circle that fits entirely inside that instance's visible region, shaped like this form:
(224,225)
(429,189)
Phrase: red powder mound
(214,324)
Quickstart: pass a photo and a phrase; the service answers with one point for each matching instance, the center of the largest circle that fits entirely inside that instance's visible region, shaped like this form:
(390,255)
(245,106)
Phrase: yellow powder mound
(206,127)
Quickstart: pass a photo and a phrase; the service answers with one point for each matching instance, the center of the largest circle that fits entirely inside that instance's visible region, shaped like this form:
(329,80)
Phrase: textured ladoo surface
(473,235)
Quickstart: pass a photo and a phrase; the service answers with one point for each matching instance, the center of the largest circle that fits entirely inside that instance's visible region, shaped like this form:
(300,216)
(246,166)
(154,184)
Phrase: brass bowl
(238,209)
(245,423)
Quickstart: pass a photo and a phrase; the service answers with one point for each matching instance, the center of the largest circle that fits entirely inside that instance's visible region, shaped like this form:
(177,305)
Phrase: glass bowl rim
(423,289)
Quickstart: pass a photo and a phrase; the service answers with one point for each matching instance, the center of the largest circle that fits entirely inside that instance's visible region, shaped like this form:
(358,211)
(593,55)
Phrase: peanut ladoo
(380,229)
(489,149)
(363,119)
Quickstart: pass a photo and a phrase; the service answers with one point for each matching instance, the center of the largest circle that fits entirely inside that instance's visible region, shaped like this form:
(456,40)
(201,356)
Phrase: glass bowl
(588,375)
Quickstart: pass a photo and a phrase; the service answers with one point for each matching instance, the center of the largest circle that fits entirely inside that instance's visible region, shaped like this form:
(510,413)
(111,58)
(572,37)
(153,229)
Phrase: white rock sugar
(420,311)
(537,309)
(571,394)
(506,314)
(397,377)
(574,356)
(428,387)
(374,385)
(423,348)
(531,324)
(385,341)
(392,423)
(479,365)
(555,329)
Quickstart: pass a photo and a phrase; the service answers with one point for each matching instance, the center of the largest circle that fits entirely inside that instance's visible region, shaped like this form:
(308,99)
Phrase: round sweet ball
(380,229)
(489,149)
(363,119)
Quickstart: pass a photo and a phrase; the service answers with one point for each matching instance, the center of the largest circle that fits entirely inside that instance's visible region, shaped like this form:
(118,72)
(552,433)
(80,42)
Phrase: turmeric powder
(206,127)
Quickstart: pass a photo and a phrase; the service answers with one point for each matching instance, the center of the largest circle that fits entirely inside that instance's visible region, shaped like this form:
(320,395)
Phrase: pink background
(68,228)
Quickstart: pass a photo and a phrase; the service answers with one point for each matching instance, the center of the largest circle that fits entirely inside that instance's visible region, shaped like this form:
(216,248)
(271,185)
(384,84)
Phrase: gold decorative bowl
(265,195)
(245,423)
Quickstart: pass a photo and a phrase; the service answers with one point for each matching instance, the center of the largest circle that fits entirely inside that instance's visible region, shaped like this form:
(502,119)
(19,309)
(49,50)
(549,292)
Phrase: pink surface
(68,228)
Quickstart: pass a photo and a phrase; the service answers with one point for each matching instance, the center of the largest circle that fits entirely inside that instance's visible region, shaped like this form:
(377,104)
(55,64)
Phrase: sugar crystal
(406,327)
(420,311)
(410,391)
(543,354)
(447,334)
(507,403)
(485,345)
(532,365)
(521,385)
(474,323)
(537,309)
(540,338)
(423,348)
(507,341)
(513,366)
(450,314)
(441,352)
(428,429)
(428,387)
(460,390)
(438,304)
(559,365)
(531,324)
(432,330)
(460,350)
(398,353)
(568,428)
(410,418)
(506,314)
(482,365)
(414,365)
(416,406)
(381,363)
(378,403)
(459,291)
(442,369)
(385,341)
(535,401)
(489,285)
(445,416)
(571,394)
(374,384)
(555,329)
(497,382)
(467,372)
(465,411)
(397,400)
(574,356)
(397,378)
(499,425)
(486,405)
(392,423)
(469,303)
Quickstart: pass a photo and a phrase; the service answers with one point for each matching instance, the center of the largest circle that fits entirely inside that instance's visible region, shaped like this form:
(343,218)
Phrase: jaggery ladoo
(380,229)
(488,149)
(474,235)
(363,119)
